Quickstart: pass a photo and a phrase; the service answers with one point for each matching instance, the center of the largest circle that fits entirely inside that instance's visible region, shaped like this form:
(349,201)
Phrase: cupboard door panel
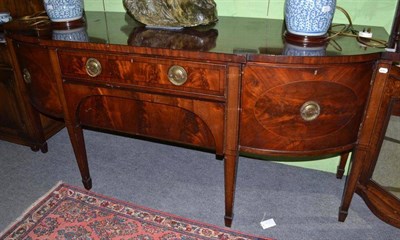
(35,64)
(10,118)
(303,109)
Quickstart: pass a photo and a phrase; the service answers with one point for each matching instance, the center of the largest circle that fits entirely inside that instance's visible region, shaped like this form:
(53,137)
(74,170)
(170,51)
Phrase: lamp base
(305,40)
(69,25)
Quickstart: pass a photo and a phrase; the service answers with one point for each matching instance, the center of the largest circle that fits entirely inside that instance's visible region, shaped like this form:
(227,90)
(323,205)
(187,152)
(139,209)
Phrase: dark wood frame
(384,98)
(384,101)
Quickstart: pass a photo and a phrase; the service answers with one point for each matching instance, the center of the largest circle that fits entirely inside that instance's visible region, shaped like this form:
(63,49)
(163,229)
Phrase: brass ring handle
(310,111)
(26,75)
(93,67)
(177,75)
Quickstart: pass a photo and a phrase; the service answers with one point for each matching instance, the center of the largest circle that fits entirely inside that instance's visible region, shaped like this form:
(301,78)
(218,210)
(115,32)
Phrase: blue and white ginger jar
(63,10)
(309,17)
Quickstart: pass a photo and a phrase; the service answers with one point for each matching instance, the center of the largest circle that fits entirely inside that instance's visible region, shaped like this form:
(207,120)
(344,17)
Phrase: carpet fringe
(30,208)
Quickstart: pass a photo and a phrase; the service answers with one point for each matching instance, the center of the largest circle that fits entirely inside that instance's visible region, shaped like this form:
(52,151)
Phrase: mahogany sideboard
(236,87)
(19,122)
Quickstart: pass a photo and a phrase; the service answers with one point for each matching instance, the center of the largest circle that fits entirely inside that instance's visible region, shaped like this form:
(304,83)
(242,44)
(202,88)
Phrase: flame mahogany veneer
(239,94)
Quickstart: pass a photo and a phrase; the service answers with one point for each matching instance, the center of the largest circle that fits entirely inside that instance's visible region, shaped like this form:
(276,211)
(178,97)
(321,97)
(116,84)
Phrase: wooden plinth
(306,40)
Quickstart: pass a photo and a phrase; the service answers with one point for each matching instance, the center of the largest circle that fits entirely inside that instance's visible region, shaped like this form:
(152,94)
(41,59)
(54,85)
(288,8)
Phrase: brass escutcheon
(310,110)
(177,75)
(93,67)
(26,75)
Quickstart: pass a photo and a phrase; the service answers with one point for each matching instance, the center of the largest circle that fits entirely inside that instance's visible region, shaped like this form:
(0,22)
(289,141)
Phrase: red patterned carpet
(69,212)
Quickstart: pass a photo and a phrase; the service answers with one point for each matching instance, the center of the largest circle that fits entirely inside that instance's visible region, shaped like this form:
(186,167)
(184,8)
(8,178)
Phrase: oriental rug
(69,212)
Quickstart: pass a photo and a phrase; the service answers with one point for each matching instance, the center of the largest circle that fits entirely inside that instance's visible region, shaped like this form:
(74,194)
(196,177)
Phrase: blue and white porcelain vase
(309,17)
(64,10)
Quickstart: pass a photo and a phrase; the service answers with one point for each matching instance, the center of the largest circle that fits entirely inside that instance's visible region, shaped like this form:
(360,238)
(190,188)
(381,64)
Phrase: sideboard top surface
(239,38)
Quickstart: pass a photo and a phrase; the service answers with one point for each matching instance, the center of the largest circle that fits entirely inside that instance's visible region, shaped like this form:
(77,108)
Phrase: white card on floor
(268,223)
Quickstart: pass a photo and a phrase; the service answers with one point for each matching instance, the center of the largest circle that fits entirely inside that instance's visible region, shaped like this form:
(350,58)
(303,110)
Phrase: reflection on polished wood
(185,39)
(287,106)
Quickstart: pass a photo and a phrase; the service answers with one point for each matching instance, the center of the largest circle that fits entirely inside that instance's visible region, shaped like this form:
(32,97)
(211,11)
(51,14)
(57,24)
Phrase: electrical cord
(36,20)
(349,31)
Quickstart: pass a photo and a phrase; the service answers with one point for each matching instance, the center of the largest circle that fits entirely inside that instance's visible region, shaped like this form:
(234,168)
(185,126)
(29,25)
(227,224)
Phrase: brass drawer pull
(93,67)
(177,75)
(310,111)
(26,75)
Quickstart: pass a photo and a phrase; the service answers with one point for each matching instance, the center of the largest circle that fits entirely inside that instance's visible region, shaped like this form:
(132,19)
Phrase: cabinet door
(36,68)
(303,109)
(11,123)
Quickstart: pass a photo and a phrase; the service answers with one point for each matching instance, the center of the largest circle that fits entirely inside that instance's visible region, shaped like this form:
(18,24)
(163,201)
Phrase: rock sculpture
(172,13)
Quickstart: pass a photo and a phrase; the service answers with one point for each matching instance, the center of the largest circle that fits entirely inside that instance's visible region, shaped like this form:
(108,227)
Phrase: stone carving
(173,13)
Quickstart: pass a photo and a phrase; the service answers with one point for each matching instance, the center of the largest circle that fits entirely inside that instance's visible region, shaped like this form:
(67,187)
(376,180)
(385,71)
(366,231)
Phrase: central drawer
(155,73)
